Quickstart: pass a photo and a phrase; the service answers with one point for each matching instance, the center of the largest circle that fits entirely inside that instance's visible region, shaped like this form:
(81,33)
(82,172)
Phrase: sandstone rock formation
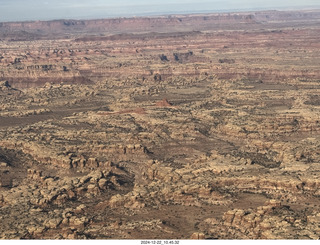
(211,133)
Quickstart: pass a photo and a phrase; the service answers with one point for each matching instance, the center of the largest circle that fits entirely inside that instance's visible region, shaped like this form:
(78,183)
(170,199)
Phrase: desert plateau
(195,126)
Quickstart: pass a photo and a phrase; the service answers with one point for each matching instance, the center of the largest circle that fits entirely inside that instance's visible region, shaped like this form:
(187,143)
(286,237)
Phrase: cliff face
(172,23)
(124,25)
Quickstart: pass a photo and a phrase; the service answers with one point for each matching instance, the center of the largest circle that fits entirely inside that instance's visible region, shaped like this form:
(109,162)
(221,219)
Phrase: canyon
(202,126)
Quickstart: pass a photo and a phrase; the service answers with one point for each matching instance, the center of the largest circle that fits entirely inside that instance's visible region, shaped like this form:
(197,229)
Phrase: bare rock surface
(212,133)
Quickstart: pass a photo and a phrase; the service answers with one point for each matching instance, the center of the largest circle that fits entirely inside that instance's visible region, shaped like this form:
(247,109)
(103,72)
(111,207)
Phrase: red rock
(163,103)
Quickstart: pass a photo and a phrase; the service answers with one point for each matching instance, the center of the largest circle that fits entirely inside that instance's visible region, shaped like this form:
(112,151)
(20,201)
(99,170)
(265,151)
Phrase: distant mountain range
(18,10)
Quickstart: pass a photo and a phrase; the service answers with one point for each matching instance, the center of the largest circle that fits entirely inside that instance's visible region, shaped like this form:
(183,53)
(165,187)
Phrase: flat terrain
(176,127)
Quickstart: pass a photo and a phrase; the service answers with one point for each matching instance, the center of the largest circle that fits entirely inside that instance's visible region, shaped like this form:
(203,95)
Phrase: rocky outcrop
(79,64)
(90,149)
(271,221)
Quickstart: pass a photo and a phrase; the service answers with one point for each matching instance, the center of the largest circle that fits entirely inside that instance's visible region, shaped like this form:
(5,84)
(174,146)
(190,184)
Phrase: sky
(23,10)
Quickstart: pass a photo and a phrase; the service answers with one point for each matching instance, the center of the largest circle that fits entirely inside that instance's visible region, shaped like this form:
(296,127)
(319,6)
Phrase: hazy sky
(17,10)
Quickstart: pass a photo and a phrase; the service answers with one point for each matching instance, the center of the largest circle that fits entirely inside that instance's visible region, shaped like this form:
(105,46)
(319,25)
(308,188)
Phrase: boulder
(197,236)
(102,183)
(53,223)
(3,164)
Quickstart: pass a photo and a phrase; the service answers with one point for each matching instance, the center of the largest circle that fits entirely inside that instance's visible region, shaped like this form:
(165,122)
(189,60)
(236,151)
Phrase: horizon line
(173,13)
